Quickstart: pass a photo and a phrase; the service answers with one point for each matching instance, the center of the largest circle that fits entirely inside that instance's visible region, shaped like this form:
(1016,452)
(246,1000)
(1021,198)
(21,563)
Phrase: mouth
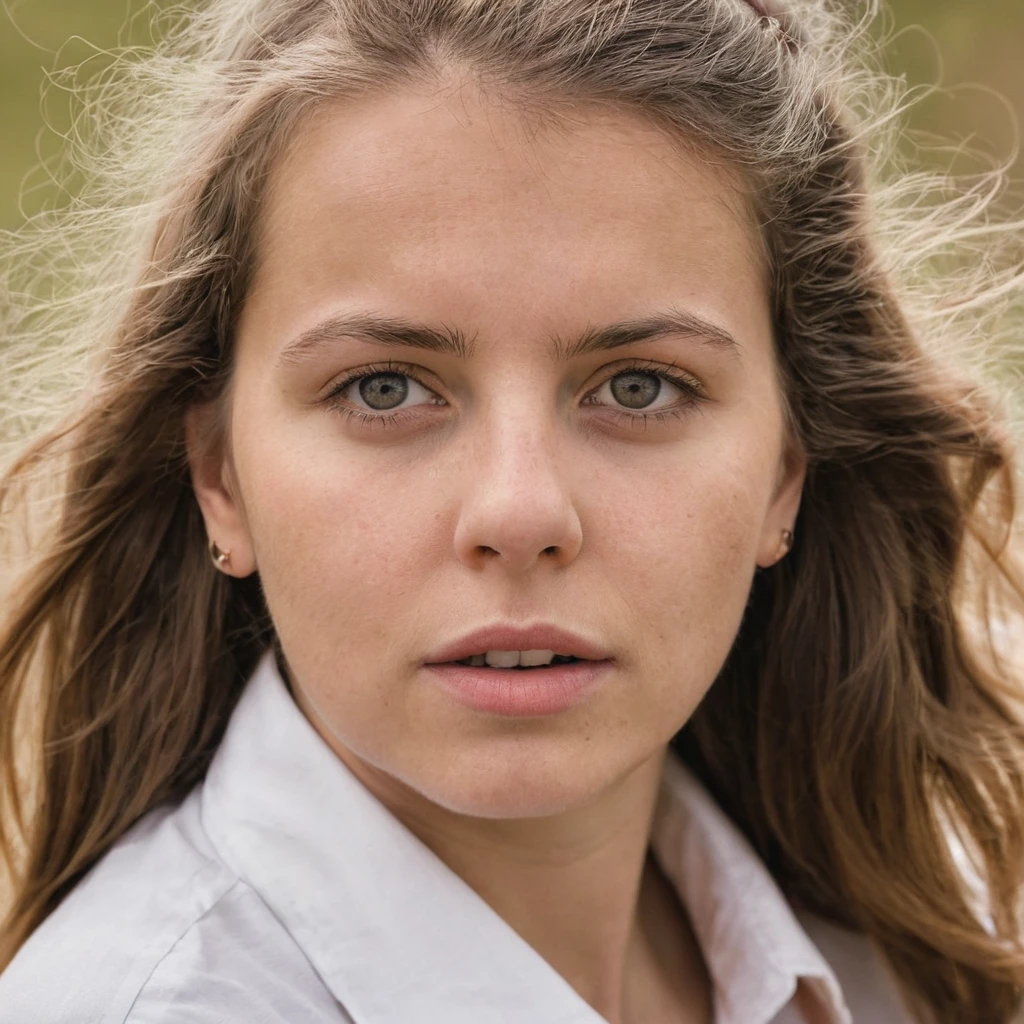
(495,682)
(513,646)
(517,661)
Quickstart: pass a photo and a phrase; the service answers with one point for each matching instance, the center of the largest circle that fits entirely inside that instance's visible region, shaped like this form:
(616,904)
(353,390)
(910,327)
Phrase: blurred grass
(974,48)
(38,37)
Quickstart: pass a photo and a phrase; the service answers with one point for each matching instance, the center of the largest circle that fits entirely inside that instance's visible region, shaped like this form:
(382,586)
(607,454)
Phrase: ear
(216,489)
(785,505)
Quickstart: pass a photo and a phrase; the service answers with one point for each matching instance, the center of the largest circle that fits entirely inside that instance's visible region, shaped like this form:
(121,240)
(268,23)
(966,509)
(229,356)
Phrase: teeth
(532,658)
(502,658)
(516,659)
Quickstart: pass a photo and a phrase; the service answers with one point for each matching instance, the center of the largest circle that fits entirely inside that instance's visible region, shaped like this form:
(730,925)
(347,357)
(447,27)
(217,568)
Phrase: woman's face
(622,493)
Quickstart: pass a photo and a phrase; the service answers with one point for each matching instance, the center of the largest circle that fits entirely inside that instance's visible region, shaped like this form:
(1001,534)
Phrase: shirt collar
(754,946)
(396,935)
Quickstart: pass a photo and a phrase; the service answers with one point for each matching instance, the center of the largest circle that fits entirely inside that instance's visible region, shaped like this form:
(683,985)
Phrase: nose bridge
(519,435)
(516,502)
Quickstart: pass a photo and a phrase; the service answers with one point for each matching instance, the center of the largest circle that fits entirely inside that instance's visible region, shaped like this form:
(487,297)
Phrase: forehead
(416,192)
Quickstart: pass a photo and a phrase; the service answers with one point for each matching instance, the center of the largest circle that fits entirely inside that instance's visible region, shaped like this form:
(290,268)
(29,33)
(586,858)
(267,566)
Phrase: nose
(516,508)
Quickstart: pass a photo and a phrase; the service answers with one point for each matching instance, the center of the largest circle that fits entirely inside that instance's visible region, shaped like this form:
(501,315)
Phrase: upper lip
(540,637)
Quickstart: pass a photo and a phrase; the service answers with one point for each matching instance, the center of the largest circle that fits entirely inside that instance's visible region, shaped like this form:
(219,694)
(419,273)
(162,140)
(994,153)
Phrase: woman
(519,553)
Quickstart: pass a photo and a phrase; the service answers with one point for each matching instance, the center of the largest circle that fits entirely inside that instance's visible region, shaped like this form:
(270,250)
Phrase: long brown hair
(866,729)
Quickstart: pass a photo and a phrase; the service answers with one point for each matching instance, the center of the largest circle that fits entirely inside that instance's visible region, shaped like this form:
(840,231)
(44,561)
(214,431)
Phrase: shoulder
(158,927)
(235,965)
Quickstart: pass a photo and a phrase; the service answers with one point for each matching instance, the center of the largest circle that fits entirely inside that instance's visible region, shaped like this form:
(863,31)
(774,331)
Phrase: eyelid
(388,366)
(413,371)
(656,367)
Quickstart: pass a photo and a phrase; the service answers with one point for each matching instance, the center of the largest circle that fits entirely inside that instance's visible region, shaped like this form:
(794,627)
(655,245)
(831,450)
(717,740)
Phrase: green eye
(635,389)
(383,391)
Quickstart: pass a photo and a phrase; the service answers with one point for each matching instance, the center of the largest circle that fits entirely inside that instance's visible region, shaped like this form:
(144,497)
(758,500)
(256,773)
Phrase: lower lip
(510,691)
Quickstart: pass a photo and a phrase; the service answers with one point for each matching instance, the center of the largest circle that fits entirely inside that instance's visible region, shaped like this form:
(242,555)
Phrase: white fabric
(281,891)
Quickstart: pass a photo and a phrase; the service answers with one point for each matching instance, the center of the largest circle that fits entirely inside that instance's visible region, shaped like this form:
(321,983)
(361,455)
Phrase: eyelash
(685,384)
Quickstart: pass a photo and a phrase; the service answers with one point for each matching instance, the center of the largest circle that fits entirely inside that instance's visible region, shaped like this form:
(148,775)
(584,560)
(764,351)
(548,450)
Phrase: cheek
(339,544)
(685,558)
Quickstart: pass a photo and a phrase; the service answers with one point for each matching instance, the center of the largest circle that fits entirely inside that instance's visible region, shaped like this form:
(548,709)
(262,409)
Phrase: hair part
(865,732)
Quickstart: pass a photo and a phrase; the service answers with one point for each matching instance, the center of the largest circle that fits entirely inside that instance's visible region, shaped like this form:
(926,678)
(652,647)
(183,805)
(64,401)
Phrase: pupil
(635,388)
(384,390)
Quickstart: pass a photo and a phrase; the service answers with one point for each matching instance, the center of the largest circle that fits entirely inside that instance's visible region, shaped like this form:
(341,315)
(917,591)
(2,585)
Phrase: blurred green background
(973,48)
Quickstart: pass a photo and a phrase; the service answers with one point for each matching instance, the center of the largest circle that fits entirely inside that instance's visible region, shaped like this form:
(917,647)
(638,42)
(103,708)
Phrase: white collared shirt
(281,891)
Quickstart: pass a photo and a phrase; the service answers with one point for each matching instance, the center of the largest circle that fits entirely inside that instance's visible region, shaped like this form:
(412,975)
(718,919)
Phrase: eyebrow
(396,331)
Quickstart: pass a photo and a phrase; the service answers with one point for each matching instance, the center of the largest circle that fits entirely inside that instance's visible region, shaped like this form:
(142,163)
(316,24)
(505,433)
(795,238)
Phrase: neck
(579,887)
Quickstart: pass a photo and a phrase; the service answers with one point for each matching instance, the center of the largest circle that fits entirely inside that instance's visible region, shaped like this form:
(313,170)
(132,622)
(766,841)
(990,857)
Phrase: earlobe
(777,539)
(216,491)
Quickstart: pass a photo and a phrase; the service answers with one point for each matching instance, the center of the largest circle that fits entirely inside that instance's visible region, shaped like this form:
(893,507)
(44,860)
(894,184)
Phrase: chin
(508,805)
(516,787)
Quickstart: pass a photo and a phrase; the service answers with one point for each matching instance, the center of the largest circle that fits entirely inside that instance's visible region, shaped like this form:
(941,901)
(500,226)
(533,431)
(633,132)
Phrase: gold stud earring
(787,543)
(220,558)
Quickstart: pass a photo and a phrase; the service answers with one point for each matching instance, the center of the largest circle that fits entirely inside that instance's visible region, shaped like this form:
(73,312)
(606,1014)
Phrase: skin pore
(511,485)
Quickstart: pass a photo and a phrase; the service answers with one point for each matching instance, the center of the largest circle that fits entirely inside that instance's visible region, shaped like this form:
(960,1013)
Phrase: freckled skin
(375,545)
